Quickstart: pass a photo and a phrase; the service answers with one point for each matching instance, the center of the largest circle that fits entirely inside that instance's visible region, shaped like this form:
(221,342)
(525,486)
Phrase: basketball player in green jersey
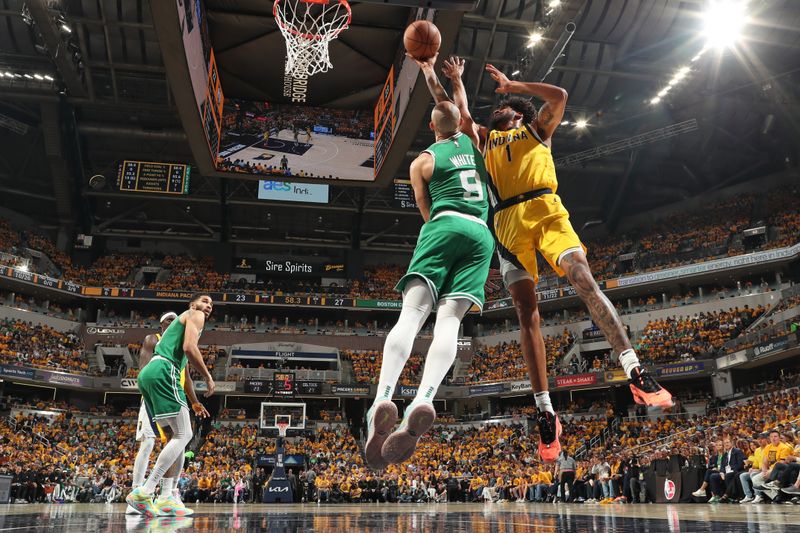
(159,383)
(448,271)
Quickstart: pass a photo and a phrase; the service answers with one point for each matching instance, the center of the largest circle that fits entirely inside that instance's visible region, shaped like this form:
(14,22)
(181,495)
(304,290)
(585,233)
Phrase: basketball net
(308,26)
(282,427)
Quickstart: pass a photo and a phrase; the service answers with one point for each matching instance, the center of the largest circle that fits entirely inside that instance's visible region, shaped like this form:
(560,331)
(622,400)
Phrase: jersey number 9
(473,188)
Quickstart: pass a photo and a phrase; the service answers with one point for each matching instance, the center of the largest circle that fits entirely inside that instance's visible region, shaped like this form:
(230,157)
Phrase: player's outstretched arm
(194,324)
(555,100)
(453,69)
(434,86)
(420,173)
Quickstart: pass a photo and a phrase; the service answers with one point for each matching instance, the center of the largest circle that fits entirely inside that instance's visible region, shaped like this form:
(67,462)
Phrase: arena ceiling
(55,135)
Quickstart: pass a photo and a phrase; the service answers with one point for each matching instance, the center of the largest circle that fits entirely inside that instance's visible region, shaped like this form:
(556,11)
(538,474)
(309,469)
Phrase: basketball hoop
(308,26)
(282,427)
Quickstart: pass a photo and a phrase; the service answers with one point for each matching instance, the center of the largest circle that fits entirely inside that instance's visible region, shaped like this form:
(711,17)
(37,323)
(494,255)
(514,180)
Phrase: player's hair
(196,296)
(521,105)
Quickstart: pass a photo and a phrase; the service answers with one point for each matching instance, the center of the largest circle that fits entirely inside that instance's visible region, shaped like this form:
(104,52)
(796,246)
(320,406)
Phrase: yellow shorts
(542,225)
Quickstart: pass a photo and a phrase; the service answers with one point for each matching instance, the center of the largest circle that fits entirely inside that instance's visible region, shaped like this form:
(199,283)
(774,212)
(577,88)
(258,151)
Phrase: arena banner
(59,378)
(129,384)
(681,369)
(97,330)
(350,390)
(9,371)
(577,380)
(380,304)
(616,376)
(482,390)
(267,459)
(219,386)
(520,386)
(768,348)
(710,266)
(404,390)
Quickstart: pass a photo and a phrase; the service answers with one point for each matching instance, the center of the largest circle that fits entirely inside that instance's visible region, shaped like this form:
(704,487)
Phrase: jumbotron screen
(274,139)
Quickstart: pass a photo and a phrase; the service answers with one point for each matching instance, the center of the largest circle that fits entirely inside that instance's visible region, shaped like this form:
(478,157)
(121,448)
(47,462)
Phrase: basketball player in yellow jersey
(529,217)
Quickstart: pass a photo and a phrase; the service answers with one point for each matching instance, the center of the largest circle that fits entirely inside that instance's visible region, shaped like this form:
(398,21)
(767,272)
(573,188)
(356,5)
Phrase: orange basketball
(422,39)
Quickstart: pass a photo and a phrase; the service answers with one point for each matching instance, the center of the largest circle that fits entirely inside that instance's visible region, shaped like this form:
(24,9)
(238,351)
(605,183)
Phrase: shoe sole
(641,400)
(400,445)
(384,419)
(557,448)
(141,509)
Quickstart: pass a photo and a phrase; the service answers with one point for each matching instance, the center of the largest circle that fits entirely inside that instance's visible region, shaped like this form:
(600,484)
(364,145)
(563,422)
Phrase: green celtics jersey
(458,182)
(170,346)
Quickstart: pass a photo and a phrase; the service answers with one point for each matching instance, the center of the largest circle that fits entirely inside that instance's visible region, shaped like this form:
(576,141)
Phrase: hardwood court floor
(499,518)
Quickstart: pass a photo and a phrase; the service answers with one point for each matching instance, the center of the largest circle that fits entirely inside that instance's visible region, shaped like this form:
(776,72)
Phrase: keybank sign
(292,192)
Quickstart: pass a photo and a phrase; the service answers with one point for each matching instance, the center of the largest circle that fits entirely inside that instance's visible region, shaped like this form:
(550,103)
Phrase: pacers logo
(669,489)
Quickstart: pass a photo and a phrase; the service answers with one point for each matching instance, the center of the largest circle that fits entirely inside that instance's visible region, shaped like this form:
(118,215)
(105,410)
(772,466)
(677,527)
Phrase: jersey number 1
(473,189)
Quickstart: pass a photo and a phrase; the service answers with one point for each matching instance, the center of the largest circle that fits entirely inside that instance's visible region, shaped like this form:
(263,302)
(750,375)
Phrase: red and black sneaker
(647,391)
(549,433)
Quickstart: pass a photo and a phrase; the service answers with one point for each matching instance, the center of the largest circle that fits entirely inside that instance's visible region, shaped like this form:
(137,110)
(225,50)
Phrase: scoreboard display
(283,384)
(404,194)
(148,176)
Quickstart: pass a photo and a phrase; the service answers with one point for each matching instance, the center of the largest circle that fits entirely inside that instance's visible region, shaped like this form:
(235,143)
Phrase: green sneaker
(172,506)
(142,502)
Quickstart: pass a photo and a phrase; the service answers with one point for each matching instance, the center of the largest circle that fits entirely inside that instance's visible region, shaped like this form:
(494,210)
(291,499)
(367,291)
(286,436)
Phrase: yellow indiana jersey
(518,161)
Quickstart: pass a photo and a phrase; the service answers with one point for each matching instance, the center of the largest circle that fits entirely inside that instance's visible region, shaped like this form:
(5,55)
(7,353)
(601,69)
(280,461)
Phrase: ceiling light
(38,77)
(565,123)
(515,73)
(724,21)
(664,91)
(24,268)
(65,28)
(48,77)
(655,100)
(8,75)
(28,76)
(534,38)
(554,4)
(581,124)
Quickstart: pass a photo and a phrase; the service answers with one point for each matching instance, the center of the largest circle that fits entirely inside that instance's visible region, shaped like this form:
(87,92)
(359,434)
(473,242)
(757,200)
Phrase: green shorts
(453,255)
(160,384)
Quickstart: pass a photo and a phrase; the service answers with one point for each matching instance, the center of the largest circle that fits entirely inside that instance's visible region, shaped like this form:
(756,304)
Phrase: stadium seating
(40,346)
(504,362)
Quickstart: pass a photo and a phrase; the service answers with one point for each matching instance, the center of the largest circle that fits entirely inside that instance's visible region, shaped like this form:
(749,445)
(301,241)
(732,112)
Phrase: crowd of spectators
(695,336)
(367,366)
(504,362)
(40,346)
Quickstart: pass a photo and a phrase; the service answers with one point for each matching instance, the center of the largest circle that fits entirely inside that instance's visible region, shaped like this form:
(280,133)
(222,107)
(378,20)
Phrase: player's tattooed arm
(555,100)
(600,308)
(431,80)
(420,173)
(453,69)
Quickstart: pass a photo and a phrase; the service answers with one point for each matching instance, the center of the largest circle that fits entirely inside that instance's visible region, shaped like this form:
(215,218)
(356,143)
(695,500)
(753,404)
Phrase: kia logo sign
(278,489)
(669,489)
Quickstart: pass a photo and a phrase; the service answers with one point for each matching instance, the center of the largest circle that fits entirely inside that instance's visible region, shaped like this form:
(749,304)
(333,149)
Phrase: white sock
(543,401)
(142,459)
(417,305)
(167,484)
(442,351)
(181,426)
(629,360)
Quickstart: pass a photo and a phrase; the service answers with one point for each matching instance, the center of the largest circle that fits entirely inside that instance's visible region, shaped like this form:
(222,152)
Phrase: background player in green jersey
(159,383)
(448,271)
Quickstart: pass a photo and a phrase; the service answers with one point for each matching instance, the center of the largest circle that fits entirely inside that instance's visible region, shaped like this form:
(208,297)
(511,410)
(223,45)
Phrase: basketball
(422,39)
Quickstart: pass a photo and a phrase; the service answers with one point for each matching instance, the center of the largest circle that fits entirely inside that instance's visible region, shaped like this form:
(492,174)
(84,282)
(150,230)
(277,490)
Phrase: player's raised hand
(503,83)
(200,410)
(453,67)
(424,63)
